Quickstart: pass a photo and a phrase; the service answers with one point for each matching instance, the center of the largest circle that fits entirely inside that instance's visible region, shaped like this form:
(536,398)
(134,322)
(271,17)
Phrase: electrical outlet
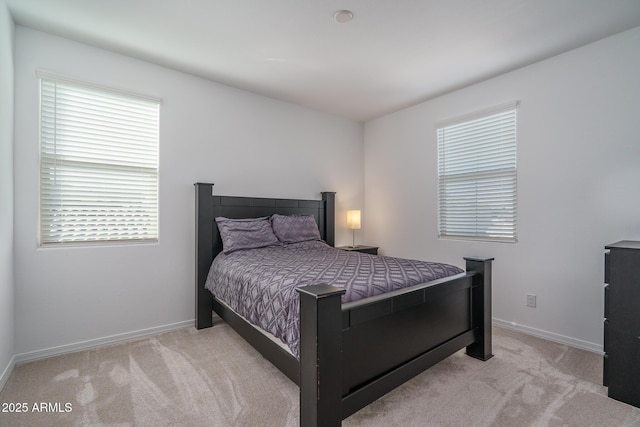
(531,300)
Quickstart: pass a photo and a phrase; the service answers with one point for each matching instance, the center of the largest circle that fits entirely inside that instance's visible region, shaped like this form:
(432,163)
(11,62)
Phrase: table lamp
(353,223)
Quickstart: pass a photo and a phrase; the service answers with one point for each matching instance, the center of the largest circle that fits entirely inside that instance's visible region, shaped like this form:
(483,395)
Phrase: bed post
(329,199)
(204,253)
(480,307)
(320,356)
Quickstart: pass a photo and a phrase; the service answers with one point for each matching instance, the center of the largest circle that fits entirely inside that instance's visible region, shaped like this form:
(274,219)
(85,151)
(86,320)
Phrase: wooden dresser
(622,321)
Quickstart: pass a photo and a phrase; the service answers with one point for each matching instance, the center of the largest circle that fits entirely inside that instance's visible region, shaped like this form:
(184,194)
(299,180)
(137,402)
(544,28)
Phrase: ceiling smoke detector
(343,16)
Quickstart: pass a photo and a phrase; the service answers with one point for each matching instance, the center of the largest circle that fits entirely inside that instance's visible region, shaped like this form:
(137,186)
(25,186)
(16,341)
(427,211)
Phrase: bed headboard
(209,244)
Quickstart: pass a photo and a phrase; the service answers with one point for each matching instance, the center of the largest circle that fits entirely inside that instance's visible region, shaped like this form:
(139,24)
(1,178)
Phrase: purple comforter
(260,284)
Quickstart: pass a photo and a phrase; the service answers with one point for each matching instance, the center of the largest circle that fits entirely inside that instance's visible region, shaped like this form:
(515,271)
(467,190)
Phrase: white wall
(6,194)
(578,177)
(246,144)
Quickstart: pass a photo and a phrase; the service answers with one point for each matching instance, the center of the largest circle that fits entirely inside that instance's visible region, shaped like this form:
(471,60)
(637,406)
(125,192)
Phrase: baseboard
(84,345)
(7,372)
(551,336)
(112,339)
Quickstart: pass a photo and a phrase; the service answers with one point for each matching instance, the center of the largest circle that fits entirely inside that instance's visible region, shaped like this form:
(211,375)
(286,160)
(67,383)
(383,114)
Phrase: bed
(352,353)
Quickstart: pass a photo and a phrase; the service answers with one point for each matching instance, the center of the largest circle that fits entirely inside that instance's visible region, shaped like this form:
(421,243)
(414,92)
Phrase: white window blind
(477,176)
(98,164)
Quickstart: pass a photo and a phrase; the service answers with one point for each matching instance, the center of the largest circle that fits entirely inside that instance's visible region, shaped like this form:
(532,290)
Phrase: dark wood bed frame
(351,354)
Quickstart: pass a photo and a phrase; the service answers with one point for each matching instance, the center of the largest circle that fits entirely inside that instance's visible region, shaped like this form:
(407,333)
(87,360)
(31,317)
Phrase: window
(477,176)
(98,163)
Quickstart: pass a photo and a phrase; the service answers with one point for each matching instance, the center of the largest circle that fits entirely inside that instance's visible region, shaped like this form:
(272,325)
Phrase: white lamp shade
(353,220)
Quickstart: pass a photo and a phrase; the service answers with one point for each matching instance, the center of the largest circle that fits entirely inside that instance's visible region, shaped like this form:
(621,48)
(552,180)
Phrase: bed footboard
(352,354)
(481,307)
(320,355)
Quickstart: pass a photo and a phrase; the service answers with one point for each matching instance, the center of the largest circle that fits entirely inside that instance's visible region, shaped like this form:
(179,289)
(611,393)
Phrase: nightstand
(373,250)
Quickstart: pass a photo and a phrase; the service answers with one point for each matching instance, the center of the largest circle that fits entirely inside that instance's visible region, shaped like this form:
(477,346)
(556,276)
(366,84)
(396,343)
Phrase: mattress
(260,284)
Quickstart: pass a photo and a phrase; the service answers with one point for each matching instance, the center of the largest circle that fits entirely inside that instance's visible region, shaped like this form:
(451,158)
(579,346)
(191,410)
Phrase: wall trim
(98,342)
(7,372)
(551,336)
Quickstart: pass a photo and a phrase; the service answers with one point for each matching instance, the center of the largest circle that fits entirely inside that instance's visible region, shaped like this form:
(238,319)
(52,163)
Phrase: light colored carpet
(213,378)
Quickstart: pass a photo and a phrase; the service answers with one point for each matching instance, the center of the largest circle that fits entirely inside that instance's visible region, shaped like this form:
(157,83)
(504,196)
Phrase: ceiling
(393,54)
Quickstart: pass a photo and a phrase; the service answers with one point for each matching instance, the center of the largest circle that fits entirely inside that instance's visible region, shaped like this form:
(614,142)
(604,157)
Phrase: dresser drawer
(623,366)
(606,266)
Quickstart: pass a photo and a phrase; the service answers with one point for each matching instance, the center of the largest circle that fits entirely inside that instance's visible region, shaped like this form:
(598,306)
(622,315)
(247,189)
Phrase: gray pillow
(247,233)
(295,228)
